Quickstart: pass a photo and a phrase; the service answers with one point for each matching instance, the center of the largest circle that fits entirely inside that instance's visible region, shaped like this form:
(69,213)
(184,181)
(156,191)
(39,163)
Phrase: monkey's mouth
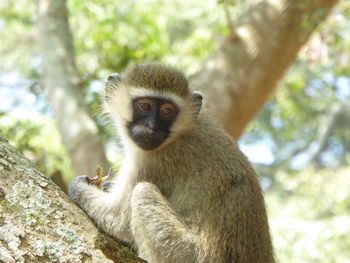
(146,138)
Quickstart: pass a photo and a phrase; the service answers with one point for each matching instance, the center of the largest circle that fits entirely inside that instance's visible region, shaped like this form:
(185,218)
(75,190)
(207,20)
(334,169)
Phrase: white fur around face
(142,92)
(119,106)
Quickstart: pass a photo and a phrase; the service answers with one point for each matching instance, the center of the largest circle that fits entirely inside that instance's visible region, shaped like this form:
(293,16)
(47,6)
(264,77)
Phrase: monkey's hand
(107,186)
(107,209)
(88,197)
(77,188)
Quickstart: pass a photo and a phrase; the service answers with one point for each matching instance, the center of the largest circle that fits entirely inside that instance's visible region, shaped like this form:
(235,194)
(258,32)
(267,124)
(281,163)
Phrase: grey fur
(195,200)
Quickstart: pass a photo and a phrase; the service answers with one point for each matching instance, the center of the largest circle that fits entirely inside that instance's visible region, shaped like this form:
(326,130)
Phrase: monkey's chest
(178,182)
(166,175)
(187,204)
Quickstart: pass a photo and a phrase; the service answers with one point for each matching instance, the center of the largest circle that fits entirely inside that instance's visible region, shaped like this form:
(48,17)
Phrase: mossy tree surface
(38,223)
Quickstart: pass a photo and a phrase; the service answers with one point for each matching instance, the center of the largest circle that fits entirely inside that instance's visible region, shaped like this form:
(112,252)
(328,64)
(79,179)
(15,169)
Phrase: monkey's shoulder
(212,140)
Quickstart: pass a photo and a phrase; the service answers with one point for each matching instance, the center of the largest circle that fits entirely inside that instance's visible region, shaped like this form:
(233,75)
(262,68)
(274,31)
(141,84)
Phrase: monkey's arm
(109,210)
(160,234)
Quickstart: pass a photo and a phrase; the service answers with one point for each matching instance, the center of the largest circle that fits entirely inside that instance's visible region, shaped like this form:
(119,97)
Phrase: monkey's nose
(151,125)
(151,131)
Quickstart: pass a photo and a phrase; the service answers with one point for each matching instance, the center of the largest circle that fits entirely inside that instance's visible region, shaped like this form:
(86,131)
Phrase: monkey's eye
(167,110)
(144,104)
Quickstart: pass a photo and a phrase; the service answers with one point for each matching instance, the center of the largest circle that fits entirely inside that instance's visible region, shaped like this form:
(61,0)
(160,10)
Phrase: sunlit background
(299,142)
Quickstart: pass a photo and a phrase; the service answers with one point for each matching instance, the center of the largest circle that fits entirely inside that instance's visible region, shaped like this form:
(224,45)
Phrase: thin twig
(233,35)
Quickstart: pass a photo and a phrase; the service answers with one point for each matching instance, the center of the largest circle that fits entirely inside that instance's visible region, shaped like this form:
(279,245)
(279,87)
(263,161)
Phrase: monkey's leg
(160,234)
(109,210)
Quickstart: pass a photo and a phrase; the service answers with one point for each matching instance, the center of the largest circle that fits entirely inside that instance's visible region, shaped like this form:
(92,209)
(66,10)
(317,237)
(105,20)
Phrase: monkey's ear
(112,82)
(197,99)
(115,77)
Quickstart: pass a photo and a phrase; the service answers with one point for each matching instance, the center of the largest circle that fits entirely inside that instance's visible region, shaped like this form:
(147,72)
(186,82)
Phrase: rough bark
(39,224)
(62,84)
(239,77)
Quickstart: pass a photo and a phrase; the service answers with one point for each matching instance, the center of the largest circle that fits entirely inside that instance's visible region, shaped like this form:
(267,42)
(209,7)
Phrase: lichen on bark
(38,223)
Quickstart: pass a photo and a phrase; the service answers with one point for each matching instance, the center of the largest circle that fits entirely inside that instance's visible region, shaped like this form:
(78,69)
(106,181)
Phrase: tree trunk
(239,77)
(39,224)
(61,81)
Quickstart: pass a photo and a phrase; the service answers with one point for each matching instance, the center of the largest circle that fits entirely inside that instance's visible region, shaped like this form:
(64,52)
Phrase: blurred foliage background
(299,141)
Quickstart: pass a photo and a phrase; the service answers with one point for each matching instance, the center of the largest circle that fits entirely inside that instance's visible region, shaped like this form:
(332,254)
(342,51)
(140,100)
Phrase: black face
(152,119)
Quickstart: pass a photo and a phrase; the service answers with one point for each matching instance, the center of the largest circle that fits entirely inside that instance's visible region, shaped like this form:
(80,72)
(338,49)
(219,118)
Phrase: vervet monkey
(185,193)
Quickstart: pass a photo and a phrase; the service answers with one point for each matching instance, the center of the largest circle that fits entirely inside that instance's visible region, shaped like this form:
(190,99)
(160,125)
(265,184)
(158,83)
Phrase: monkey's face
(151,105)
(151,121)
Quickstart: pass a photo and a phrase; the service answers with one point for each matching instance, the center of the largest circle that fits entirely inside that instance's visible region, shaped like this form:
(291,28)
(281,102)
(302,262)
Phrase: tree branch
(62,83)
(233,35)
(239,77)
(39,224)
